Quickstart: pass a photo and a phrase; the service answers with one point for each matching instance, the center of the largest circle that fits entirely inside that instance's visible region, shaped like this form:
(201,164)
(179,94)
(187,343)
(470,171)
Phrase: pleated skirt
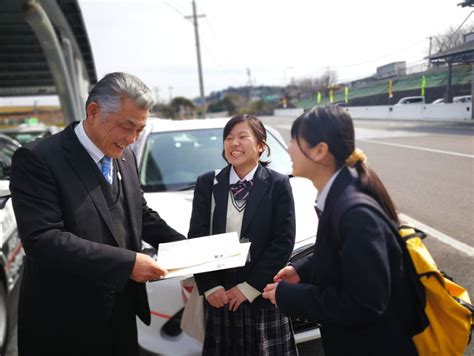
(248,331)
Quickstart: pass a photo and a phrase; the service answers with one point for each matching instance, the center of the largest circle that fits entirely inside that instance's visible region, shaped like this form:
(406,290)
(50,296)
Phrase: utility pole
(198,52)
(249,84)
(170,90)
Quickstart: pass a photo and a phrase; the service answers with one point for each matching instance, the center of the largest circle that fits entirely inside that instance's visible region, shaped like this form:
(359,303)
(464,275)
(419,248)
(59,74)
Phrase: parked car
(463,99)
(25,133)
(11,253)
(170,156)
(438,101)
(411,100)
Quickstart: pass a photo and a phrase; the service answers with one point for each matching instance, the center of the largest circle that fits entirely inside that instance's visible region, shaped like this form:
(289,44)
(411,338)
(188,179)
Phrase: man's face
(113,132)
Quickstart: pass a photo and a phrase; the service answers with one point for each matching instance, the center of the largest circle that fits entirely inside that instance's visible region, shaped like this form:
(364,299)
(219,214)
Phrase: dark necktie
(107,169)
(318,211)
(241,189)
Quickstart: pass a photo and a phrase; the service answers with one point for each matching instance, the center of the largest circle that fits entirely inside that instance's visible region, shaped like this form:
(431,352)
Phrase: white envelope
(203,254)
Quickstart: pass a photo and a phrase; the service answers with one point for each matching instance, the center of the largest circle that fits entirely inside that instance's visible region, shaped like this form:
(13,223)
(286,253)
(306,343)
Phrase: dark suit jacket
(73,265)
(268,223)
(349,284)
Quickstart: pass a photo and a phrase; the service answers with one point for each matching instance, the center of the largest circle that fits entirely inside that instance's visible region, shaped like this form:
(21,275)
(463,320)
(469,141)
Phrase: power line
(464,21)
(174,8)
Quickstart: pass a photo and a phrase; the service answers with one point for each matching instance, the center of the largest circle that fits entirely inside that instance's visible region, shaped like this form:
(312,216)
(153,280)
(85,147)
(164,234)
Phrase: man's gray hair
(111,89)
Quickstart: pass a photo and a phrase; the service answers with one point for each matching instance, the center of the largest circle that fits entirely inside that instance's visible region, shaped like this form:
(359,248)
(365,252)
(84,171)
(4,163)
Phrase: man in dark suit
(81,217)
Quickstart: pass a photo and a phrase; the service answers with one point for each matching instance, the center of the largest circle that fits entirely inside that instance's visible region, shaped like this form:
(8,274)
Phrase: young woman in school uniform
(257,203)
(352,282)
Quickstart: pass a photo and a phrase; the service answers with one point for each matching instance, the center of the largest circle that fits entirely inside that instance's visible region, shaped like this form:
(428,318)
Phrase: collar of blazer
(220,190)
(84,166)
(342,181)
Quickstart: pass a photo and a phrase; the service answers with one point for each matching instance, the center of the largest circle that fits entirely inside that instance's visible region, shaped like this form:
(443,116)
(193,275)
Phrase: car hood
(175,208)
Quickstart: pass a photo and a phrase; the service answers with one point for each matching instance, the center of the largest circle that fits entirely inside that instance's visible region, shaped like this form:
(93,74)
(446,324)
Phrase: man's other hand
(146,269)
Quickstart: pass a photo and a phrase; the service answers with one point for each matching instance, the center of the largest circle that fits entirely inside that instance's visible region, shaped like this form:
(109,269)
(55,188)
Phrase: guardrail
(427,112)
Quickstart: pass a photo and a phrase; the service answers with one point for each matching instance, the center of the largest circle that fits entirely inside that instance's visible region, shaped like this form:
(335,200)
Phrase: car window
(174,160)
(25,137)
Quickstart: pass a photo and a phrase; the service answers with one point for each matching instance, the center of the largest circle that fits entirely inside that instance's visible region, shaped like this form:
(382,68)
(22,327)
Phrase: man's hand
(287,274)
(235,297)
(269,292)
(146,269)
(218,298)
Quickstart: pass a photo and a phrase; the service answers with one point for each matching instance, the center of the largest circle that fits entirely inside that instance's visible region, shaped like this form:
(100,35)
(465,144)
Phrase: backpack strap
(344,204)
(414,319)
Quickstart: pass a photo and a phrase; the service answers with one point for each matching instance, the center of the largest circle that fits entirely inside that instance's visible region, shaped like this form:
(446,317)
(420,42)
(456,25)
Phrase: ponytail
(371,184)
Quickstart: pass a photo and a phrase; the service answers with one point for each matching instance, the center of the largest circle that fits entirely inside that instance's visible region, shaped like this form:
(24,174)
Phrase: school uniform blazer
(268,223)
(74,265)
(350,285)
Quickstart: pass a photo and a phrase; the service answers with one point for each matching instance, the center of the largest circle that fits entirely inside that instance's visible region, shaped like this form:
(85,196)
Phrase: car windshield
(173,160)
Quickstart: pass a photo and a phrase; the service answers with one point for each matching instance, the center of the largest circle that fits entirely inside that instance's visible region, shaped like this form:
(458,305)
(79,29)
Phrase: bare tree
(451,38)
(322,83)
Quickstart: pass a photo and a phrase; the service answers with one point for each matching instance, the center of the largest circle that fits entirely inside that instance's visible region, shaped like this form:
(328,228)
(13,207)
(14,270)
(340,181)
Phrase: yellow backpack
(441,316)
(448,307)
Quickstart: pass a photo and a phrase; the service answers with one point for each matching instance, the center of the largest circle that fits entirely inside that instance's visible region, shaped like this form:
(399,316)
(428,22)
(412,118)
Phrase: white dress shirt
(247,290)
(95,153)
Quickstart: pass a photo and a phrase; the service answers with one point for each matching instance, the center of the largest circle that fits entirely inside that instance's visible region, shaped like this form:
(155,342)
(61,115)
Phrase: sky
(272,40)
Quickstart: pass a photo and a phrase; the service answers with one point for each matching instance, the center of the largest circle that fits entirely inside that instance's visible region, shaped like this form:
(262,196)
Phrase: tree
(225,104)
(179,108)
(449,39)
(322,83)
(182,107)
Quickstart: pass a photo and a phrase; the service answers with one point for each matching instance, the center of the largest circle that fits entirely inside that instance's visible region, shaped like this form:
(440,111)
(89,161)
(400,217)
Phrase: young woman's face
(302,165)
(241,148)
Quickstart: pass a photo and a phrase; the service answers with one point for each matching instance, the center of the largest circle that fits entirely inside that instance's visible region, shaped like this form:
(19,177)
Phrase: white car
(463,99)
(409,100)
(171,155)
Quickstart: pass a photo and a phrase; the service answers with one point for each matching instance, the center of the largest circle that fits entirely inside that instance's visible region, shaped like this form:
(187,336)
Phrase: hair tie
(356,156)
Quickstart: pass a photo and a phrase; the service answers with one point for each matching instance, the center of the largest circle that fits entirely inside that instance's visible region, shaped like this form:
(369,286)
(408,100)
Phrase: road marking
(418,148)
(438,235)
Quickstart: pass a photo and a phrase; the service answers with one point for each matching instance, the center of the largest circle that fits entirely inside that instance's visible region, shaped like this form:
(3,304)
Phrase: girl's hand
(235,297)
(287,274)
(269,292)
(218,298)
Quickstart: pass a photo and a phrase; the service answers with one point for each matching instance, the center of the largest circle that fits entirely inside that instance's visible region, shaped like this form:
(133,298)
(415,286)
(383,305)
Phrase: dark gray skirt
(248,331)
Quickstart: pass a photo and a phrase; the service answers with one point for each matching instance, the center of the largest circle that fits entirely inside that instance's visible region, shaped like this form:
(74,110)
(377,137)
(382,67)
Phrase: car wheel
(3,319)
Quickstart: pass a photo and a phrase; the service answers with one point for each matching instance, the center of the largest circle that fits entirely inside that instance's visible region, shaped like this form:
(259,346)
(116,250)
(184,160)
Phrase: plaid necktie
(241,189)
(107,169)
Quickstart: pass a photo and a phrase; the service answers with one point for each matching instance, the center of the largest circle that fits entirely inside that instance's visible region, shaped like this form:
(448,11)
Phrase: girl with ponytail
(353,281)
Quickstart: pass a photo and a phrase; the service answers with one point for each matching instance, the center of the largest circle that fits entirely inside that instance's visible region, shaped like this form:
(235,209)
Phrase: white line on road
(438,235)
(419,148)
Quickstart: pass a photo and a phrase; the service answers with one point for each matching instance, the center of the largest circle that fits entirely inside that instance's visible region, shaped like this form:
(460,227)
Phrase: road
(428,169)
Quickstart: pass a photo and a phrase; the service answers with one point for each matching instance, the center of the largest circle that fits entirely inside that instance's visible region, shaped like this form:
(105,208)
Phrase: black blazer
(73,265)
(268,223)
(349,284)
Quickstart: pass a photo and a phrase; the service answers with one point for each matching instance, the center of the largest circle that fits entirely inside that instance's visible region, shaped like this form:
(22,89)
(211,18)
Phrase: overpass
(45,50)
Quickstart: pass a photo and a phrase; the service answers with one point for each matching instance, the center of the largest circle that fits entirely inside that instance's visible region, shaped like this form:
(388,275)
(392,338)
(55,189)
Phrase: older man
(81,217)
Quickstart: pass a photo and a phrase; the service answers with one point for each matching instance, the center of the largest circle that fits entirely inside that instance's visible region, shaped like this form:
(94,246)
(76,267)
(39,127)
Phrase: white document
(203,254)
